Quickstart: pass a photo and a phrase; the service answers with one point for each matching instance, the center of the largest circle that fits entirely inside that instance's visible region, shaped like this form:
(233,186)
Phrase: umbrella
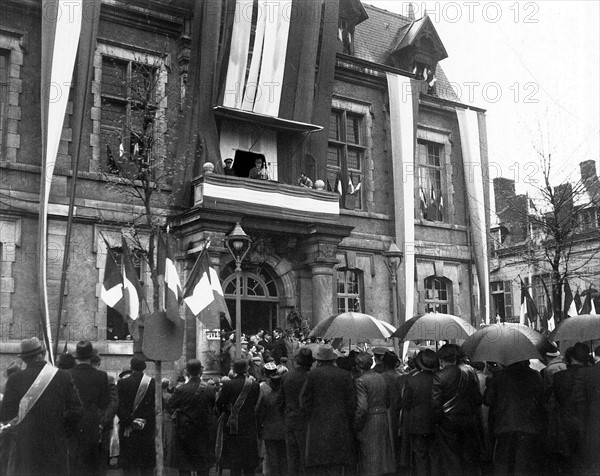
(355,326)
(541,342)
(434,326)
(578,328)
(501,343)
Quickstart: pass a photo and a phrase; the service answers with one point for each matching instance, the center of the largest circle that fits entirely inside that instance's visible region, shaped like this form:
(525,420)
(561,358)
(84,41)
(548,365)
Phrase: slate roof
(376,37)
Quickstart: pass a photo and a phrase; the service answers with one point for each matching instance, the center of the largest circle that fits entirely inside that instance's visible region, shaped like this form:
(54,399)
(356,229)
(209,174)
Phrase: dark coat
(455,396)
(586,398)
(516,398)
(241,450)
(269,418)
(371,425)
(194,442)
(279,350)
(137,449)
(84,448)
(562,387)
(288,397)
(416,403)
(328,402)
(41,438)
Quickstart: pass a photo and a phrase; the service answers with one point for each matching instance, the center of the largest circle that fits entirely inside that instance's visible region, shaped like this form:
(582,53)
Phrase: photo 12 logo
(490,12)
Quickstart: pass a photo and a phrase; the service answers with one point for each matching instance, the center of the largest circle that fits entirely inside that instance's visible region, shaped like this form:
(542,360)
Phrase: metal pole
(395,307)
(238,310)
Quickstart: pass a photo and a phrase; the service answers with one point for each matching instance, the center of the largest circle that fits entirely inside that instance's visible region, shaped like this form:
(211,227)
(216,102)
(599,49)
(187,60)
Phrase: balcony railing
(265,198)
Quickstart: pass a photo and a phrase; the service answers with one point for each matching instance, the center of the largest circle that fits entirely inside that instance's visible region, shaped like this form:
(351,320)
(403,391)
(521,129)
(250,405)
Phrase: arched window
(438,295)
(349,290)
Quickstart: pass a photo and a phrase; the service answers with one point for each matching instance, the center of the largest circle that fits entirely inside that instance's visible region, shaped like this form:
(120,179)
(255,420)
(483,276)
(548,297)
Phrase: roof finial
(411,12)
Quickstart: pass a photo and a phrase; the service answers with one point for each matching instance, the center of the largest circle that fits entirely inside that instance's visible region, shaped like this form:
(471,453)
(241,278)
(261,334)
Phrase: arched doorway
(259,296)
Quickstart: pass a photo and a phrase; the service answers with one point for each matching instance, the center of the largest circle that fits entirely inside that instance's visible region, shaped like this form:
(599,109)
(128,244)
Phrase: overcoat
(193,450)
(84,443)
(375,455)
(137,449)
(586,396)
(239,450)
(329,401)
(41,438)
(416,403)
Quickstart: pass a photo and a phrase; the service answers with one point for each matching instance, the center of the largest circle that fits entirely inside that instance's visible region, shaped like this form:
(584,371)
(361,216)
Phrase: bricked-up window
(128,110)
(345,156)
(502,307)
(116,325)
(430,198)
(4,75)
(438,295)
(349,290)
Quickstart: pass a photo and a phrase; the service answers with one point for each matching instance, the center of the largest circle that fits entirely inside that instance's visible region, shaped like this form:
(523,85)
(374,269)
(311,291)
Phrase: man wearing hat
(228,169)
(288,401)
(193,405)
(378,353)
(137,421)
(328,403)
(237,444)
(418,414)
(555,364)
(40,429)
(92,385)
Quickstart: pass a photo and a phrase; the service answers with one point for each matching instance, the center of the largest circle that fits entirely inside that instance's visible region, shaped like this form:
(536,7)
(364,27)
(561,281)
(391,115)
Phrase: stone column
(322,290)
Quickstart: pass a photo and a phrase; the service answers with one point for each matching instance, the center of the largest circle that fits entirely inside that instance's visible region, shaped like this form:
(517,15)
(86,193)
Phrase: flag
(595,306)
(358,185)
(577,301)
(168,279)
(548,318)
(528,309)
(586,306)
(198,293)
(329,188)
(339,186)
(131,285)
(350,186)
(112,287)
(203,292)
(423,200)
(569,308)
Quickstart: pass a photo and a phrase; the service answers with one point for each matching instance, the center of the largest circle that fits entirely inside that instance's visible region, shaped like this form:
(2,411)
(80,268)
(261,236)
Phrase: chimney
(504,191)
(411,12)
(588,170)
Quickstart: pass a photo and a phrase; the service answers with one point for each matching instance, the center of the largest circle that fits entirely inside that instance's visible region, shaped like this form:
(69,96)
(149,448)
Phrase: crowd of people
(290,408)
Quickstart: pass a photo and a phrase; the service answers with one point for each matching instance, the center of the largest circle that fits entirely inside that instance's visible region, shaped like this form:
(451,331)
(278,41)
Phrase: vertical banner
(471,154)
(61,26)
(403,96)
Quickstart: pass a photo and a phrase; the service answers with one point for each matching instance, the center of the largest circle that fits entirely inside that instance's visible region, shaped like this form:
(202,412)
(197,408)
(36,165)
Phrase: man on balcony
(228,169)
(259,171)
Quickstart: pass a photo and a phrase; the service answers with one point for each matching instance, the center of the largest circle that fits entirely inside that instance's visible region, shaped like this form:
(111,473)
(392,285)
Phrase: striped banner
(469,138)
(61,26)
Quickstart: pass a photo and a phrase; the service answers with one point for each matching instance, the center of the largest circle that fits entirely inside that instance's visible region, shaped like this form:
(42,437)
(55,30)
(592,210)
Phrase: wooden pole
(158,411)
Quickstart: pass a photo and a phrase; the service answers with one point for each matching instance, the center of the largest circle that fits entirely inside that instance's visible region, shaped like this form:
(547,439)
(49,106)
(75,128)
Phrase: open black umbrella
(355,326)
(504,344)
(434,326)
(578,328)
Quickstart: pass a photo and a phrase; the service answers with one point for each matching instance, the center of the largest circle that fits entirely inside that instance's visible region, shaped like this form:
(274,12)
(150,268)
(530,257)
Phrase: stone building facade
(363,109)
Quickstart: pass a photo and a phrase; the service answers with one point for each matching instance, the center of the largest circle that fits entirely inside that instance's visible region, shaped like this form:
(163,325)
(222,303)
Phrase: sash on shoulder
(36,390)
(232,422)
(141,392)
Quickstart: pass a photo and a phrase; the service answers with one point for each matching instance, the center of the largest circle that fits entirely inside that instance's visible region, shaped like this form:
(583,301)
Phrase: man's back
(288,399)
(41,436)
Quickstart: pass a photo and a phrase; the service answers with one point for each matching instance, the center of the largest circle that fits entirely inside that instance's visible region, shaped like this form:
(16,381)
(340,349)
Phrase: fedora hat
(427,360)
(240,366)
(84,350)
(325,352)
(31,347)
(137,364)
(304,357)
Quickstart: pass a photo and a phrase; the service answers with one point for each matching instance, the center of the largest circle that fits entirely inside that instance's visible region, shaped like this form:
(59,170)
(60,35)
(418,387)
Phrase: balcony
(265,199)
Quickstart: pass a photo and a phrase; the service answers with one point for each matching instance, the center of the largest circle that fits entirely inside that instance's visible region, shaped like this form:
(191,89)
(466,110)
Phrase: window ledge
(439,224)
(359,213)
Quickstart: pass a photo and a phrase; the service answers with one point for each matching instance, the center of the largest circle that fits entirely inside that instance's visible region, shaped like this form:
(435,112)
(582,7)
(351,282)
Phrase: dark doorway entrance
(244,161)
(255,315)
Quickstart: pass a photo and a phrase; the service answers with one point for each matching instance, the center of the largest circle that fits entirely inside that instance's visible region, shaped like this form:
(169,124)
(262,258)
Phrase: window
(4,75)
(346,36)
(502,301)
(538,293)
(438,293)
(116,325)
(345,156)
(129,98)
(349,291)
(430,193)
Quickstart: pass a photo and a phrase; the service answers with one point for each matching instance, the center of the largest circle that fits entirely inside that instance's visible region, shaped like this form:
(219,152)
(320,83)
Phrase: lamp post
(238,244)
(394,256)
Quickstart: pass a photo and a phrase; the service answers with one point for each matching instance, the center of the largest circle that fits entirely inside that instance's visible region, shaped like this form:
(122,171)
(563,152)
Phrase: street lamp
(238,244)
(394,256)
